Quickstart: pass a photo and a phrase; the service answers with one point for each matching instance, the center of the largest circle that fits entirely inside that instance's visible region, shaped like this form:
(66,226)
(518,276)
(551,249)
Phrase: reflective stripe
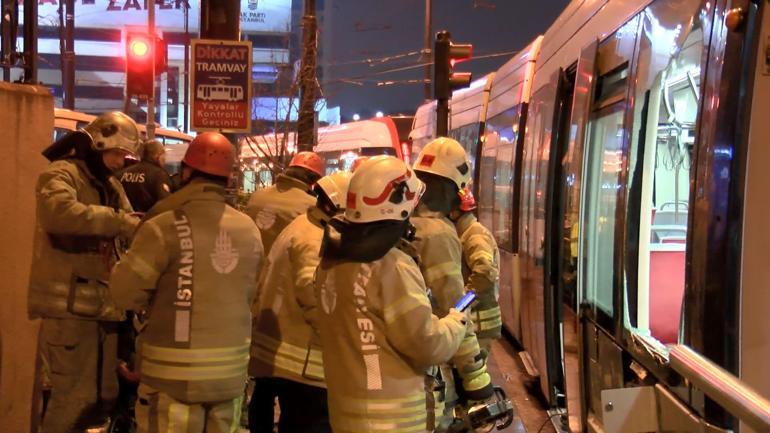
(160,371)
(387,415)
(442,270)
(403,305)
(489,324)
(481,254)
(488,313)
(288,357)
(218,354)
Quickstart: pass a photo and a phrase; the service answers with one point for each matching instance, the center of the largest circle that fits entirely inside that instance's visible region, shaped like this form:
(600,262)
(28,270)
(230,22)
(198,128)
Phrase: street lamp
(356,117)
(379,114)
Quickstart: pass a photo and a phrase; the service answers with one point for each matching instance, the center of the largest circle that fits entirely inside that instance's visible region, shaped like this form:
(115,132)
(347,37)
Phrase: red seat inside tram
(667,266)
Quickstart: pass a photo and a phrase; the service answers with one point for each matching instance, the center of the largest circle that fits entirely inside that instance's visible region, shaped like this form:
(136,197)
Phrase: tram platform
(508,373)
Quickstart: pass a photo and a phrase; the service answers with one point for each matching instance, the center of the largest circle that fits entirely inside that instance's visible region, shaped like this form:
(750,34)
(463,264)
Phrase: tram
(622,172)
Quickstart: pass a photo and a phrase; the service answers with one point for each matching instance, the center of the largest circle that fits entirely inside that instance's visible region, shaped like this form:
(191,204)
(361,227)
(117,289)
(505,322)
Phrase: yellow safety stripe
(481,254)
(365,405)
(215,372)
(219,354)
(403,305)
(440,270)
(487,313)
(489,324)
(288,357)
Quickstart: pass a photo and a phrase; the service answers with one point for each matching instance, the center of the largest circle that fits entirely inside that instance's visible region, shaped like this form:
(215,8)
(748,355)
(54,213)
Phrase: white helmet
(382,188)
(335,187)
(445,157)
(114,130)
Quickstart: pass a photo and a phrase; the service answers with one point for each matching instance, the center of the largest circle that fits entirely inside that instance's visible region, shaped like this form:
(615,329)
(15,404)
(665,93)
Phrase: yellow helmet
(445,157)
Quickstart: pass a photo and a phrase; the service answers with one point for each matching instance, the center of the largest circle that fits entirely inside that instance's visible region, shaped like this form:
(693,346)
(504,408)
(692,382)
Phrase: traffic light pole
(442,117)
(427,52)
(68,56)
(151,98)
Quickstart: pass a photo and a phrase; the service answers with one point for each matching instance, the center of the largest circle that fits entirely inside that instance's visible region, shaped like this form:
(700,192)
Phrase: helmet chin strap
(96,165)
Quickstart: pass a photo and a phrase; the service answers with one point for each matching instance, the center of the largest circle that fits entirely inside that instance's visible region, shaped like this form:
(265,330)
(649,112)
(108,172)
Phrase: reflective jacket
(379,336)
(193,266)
(283,342)
(275,207)
(440,262)
(78,218)
(145,183)
(481,272)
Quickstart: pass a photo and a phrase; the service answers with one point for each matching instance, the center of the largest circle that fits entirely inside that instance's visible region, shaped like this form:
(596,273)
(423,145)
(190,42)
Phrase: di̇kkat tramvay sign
(257,16)
(221,85)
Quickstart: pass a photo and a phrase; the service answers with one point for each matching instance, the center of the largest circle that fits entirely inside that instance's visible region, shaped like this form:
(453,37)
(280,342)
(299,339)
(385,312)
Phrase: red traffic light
(139,47)
(459,53)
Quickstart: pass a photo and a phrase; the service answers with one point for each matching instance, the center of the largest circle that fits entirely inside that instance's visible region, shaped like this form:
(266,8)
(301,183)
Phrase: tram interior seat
(667,277)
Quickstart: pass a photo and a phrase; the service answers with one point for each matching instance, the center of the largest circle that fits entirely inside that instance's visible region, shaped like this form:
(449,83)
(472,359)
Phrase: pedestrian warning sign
(221,86)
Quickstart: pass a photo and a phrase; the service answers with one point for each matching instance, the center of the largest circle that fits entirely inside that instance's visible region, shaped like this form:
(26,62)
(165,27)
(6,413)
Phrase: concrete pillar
(26,125)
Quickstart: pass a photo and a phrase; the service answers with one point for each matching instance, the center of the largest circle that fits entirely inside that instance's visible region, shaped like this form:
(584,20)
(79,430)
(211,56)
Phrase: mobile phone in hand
(465,301)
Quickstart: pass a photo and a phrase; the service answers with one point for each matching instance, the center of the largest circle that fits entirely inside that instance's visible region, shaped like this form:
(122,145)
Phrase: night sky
(360,29)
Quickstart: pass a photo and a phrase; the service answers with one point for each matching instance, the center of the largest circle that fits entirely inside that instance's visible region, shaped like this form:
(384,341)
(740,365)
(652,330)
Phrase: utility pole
(68,56)
(30,41)
(427,55)
(306,132)
(153,55)
(186,67)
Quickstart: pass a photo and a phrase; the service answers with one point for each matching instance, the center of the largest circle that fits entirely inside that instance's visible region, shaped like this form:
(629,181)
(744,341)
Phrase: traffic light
(142,50)
(446,55)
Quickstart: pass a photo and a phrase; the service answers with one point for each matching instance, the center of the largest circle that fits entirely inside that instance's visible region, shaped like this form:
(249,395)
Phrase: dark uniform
(145,183)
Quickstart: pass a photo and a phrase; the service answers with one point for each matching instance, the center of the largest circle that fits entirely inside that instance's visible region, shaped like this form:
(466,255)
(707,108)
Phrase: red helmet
(212,153)
(310,161)
(467,201)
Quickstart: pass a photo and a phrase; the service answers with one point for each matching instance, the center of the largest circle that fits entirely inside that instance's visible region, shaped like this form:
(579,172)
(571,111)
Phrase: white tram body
(614,173)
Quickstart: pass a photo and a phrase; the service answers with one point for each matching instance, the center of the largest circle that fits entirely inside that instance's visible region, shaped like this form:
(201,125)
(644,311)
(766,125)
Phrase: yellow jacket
(440,262)
(78,218)
(481,272)
(275,207)
(379,337)
(193,266)
(283,342)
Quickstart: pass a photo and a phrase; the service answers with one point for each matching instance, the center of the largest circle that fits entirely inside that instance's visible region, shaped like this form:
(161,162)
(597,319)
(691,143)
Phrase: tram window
(605,159)
(486,198)
(498,176)
(468,136)
(668,77)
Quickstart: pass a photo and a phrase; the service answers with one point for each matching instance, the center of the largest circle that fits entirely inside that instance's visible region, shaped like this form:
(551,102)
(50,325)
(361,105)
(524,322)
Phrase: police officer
(147,181)
(445,169)
(481,270)
(275,207)
(81,209)
(283,327)
(193,266)
(377,330)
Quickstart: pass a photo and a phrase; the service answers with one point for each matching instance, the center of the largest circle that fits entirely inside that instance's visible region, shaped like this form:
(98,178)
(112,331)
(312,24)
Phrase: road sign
(221,86)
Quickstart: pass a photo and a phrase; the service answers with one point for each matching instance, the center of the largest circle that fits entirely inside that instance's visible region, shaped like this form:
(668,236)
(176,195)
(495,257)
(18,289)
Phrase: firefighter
(193,266)
(378,333)
(283,325)
(81,209)
(147,181)
(445,169)
(275,207)
(481,270)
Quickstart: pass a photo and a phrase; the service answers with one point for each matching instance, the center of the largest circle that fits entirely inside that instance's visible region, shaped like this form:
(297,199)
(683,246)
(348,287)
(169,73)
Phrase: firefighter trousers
(79,358)
(303,407)
(158,412)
